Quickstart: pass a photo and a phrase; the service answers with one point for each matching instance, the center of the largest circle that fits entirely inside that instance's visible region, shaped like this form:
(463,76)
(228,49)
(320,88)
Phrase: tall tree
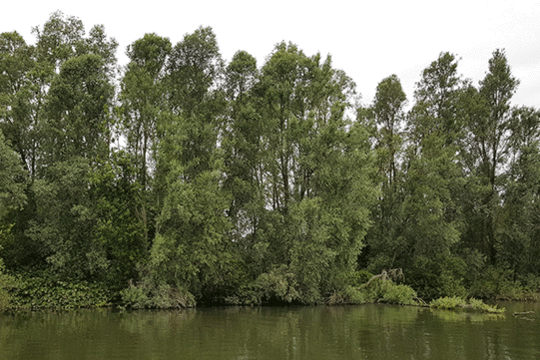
(488,145)
(191,250)
(316,168)
(518,231)
(387,114)
(75,96)
(243,155)
(18,110)
(12,185)
(433,180)
(142,96)
(78,121)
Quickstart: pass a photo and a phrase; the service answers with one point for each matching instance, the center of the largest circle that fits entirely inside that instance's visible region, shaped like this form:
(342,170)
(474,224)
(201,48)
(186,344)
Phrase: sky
(369,40)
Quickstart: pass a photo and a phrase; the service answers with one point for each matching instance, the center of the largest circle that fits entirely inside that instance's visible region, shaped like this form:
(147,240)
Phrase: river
(346,332)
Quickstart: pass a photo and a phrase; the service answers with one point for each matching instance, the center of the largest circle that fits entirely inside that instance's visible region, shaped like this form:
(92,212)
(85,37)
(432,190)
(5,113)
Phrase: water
(350,332)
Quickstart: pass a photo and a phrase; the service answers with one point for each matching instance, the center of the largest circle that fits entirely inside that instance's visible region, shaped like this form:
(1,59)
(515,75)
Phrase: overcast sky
(369,40)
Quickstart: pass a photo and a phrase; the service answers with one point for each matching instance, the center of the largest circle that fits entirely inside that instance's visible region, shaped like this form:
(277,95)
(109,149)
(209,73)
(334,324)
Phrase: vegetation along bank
(183,178)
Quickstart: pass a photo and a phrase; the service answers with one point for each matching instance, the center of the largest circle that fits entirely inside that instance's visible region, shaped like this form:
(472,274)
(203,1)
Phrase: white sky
(369,40)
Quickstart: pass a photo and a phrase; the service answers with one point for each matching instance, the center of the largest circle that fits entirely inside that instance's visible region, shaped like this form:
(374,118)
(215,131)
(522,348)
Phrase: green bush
(151,296)
(42,293)
(349,295)
(447,302)
(531,283)
(480,305)
(458,302)
(354,295)
(279,284)
(358,278)
(385,290)
(7,284)
(135,297)
(436,277)
(399,294)
(497,283)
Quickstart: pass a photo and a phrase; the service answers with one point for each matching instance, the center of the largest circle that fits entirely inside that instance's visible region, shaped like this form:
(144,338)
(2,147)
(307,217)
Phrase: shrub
(381,289)
(7,284)
(436,277)
(458,302)
(447,302)
(358,278)
(399,294)
(278,284)
(480,305)
(39,292)
(354,295)
(152,296)
(349,295)
(497,283)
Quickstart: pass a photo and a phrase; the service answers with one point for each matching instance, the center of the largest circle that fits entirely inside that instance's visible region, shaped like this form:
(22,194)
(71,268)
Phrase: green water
(352,332)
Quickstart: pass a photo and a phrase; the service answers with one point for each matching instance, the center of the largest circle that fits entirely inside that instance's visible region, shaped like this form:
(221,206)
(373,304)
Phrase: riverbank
(40,293)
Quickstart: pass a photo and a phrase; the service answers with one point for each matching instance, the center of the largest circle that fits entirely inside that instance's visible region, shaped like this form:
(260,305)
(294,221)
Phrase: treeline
(184,178)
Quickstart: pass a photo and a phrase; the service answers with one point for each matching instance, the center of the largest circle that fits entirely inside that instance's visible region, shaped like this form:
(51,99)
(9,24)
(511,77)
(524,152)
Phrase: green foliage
(480,305)
(150,296)
(12,194)
(279,284)
(43,293)
(447,302)
(7,284)
(358,278)
(253,184)
(497,283)
(459,302)
(381,289)
(399,294)
(440,276)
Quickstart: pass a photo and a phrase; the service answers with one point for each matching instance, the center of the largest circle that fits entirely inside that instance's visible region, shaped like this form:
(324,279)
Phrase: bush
(436,277)
(279,285)
(399,294)
(43,293)
(382,289)
(7,284)
(354,295)
(447,302)
(480,305)
(497,283)
(349,295)
(458,302)
(358,278)
(531,283)
(150,296)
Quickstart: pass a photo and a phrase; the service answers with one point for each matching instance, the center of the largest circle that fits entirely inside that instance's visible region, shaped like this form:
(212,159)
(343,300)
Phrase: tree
(142,96)
(74,95)
(488,145)
(316,169)
(432,184)
(193,79)
(78,119)
(18,110)
(243,157)
(437,97)
(518,233)
(191,250)
(12,177)
(387,114)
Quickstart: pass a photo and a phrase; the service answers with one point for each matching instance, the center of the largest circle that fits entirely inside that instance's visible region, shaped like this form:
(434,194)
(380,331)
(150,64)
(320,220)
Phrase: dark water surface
(351,332)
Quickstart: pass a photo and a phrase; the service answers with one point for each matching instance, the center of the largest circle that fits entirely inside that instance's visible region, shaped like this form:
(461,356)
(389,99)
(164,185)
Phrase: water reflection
(359,332)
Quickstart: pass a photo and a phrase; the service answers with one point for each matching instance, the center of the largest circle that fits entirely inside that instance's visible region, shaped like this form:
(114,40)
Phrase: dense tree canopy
(184,177)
